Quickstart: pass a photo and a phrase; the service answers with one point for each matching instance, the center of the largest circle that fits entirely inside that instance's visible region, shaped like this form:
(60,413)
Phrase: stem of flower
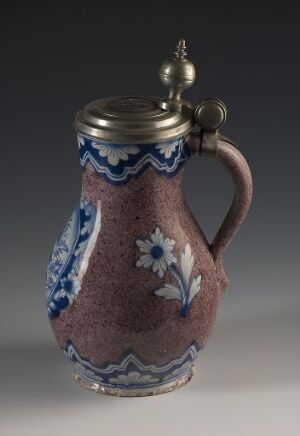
(184,310)
(183,290)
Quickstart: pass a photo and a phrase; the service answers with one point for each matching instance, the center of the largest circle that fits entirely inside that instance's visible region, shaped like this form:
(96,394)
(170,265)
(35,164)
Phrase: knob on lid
(178,74)
(134,119)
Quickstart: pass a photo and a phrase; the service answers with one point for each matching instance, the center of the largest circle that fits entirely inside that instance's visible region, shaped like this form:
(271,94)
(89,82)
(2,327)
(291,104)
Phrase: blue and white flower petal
(157,253)
(133,378)
(167,148)
(56,305)
(115,152)
(70,288)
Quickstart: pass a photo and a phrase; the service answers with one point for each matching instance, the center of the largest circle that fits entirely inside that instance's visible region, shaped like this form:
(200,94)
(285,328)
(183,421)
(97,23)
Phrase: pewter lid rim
(105,120)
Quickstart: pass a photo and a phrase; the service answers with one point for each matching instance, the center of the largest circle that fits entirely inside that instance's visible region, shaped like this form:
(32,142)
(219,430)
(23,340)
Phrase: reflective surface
(132,119)
(248,378)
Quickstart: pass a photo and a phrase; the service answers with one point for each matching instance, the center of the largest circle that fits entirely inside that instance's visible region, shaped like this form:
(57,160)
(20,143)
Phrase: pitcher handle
(212,144)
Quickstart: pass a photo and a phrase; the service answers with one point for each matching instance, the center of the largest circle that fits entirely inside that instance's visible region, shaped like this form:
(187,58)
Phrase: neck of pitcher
(118,164)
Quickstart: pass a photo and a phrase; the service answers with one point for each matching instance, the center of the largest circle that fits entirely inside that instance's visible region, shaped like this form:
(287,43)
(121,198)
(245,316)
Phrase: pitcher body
(132,283)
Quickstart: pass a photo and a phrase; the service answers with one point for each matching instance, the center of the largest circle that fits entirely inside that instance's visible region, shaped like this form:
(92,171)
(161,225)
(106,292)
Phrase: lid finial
(178,74)
(180,53)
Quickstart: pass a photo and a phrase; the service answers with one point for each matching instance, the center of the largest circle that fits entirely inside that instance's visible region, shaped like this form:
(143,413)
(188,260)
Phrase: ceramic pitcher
(132,282)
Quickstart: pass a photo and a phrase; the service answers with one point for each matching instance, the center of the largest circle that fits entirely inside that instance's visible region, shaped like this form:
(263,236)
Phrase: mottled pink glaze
(116,309)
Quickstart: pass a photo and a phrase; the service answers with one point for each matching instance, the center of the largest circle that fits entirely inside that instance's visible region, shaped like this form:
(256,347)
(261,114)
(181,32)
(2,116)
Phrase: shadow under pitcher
(132,282)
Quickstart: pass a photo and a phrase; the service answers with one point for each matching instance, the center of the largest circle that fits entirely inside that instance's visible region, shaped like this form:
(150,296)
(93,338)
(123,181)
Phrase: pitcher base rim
(134,392)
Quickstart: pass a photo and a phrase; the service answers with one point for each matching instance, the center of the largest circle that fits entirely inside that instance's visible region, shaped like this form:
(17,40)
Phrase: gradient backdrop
(56,57)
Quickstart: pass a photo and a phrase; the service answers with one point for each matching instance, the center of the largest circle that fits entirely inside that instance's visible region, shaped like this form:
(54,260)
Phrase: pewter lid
(137,119)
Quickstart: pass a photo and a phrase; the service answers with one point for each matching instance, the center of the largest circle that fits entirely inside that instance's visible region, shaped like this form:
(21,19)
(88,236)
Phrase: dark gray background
(57,56)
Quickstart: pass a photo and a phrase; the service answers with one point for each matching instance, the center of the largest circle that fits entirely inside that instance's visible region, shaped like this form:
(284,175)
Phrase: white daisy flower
(167,148)
(157,253)
(70,288)
(115,152)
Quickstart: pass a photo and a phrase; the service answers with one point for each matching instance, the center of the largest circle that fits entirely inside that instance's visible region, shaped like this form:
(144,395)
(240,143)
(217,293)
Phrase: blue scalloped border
(148,156)
(146,375)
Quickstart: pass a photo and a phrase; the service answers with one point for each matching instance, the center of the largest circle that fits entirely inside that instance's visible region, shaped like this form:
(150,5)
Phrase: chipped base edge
(138,392)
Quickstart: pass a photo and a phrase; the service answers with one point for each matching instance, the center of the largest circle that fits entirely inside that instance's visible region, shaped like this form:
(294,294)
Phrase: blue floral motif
(131,372)
(157,255)
(115,153)
(64,273)
(119,163)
